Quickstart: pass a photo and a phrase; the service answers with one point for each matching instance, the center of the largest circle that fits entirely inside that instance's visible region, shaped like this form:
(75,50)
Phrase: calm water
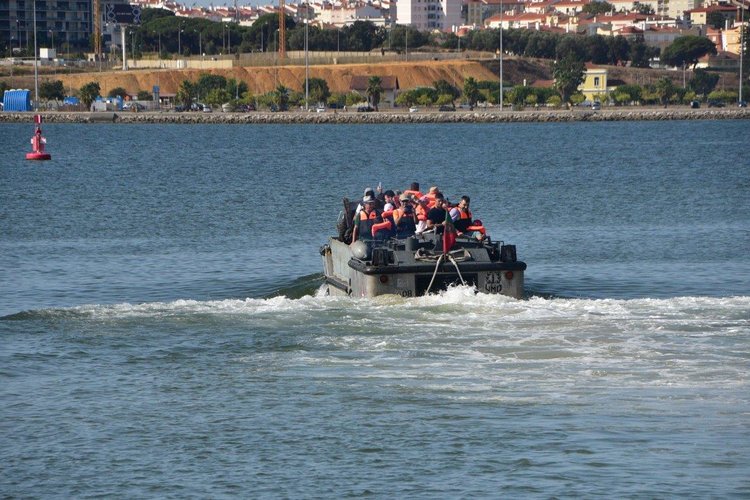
(162,333)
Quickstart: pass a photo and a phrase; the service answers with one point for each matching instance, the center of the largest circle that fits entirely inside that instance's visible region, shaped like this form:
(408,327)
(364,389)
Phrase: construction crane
(97,29)
(282,30)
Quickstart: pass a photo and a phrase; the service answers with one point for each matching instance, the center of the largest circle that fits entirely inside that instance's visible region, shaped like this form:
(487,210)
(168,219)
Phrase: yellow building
(594,85)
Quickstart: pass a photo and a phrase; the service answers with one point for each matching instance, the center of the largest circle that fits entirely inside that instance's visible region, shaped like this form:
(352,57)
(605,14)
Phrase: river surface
(162,331)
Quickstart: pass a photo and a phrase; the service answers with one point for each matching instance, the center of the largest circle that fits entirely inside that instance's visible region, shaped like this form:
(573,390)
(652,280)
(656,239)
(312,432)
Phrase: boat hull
(398,273)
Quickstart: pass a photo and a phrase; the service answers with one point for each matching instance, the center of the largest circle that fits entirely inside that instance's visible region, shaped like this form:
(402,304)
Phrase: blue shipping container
(17,100)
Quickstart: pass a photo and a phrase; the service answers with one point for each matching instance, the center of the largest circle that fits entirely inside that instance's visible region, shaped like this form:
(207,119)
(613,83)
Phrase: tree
(471,91)
(628,93)
(444,88)
(89,92)
(641,54)
(598,8)
(51,90)
(665,89)
(185,93)
(236,89)
(206,83)
(715,19)
(568,74)
(117,92)
(644,8)
(217,97)
(144,95)
(374,89)
(319,91)
(687,50)
(703,82)
(281,98)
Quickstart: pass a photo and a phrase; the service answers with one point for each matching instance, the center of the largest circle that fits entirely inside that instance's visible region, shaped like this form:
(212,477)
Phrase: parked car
(445,107)
(207,109)
(596,105)
(180,108)
(715,104)
(246,107)
(133,106)
(413,109)
(695,104)
(742,104)
(365,109)
(320,109)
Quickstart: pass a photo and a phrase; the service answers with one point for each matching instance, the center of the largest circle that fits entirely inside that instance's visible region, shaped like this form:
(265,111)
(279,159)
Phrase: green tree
(640,54)
(207,82)
(236,89)
(644,8)
(554,101)
(217,97)
(51,90)
(281,98)
(471,91)
(374,89)
(687,50)
(598,8)
(628,93)
(185,93)
(319,91)
(665,89)
(568,74)
(89,92)
(715,19)
(443,87)
(117,92)
(144,95)
(703,82)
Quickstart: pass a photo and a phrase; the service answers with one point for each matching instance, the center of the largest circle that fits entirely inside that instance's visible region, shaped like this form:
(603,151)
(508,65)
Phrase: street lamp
(307,67)
(742,46)
(200,42)
(179,40)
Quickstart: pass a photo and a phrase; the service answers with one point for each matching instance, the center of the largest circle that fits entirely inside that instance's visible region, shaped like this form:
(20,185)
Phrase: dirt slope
(265,79)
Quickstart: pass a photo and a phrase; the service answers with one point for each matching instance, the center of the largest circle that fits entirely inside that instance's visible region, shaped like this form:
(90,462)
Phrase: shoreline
(383,117)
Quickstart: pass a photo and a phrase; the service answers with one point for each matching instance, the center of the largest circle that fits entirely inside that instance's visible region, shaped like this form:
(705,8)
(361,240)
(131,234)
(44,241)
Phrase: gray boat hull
(413,268)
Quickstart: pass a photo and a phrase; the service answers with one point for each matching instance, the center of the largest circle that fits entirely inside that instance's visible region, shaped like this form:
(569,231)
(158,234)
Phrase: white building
(428,15)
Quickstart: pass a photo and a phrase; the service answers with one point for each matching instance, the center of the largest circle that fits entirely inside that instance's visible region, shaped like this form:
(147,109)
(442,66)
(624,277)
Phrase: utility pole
(282,30)
(742,45)
(501,55)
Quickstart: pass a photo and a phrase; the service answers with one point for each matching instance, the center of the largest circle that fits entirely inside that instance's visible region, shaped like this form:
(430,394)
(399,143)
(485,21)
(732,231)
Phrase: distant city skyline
(228,3)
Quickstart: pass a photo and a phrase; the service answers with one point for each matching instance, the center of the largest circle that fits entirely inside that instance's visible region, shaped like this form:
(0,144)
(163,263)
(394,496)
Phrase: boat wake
(457,304)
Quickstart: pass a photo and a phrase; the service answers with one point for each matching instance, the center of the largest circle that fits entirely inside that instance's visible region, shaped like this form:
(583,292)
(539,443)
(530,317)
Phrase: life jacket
(384,229)
(430,200)
(464,220)
(406,225)
(477,226)
(417,194)
(365,223)
(421,212)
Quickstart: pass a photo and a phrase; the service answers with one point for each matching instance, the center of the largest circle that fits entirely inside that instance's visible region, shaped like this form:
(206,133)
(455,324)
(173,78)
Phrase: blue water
(162,333)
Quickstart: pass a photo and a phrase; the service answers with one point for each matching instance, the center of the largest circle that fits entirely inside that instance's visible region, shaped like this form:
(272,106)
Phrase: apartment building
(429,15)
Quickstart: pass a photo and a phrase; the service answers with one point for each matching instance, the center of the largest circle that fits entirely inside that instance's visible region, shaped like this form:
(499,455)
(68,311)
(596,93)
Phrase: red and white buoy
(38,142)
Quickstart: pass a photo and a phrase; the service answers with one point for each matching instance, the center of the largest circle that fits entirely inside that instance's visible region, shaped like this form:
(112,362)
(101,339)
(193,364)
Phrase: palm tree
(374,89)
(281,97)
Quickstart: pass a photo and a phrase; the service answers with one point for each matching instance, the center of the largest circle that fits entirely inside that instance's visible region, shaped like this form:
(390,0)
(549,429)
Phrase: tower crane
(97,14)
